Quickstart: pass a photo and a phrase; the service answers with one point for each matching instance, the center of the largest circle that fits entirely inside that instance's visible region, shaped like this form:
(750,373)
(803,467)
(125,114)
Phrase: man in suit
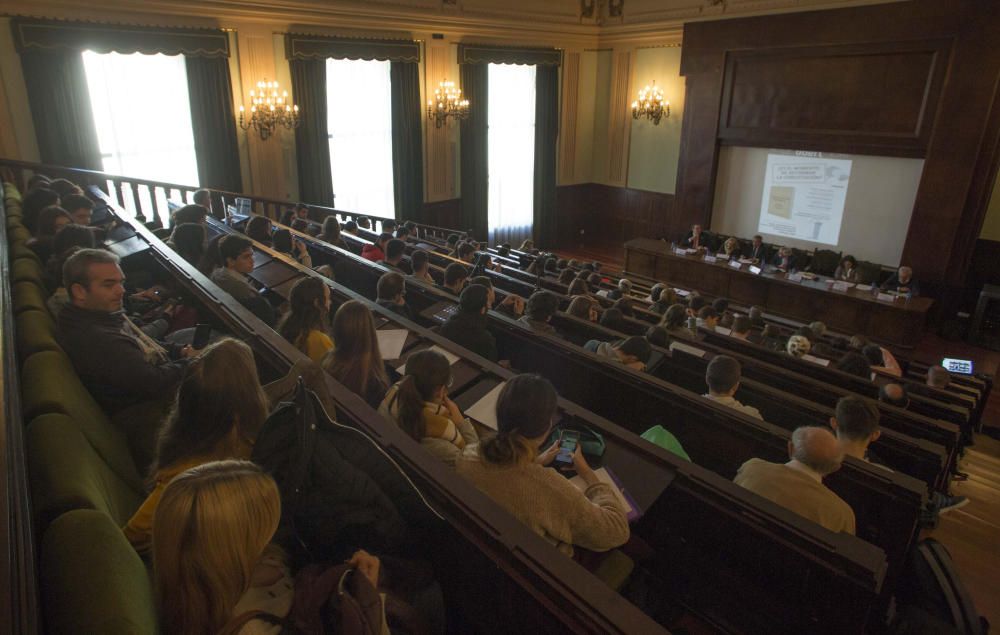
(902,282)
(757,250)
(694,239)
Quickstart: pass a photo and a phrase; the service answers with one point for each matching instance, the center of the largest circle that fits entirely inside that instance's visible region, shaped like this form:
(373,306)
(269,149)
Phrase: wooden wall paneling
(568,119)
(256,51)
(447,213)
(876,98)
(620,116)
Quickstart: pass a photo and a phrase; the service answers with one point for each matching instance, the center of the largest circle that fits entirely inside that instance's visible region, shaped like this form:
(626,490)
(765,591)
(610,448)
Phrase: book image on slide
(804,195)
(781,200)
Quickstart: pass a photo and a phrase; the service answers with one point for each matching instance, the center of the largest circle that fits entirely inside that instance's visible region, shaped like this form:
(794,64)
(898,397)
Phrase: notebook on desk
(605,475)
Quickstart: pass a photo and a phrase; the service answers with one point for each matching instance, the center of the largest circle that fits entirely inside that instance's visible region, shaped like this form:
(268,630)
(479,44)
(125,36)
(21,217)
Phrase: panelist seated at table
(757,251)
(696,239)
(731,248)
(847,270)
(785,260)
(902,282)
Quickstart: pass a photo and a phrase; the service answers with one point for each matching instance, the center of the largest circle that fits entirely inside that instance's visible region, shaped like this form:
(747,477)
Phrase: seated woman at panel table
(356,361)
(785,260)
(305,323)
(509,468)
(731,248)
(847,270)
(419,404)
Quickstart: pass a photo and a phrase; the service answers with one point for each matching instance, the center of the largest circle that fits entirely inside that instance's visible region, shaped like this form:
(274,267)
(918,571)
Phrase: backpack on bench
(932,587)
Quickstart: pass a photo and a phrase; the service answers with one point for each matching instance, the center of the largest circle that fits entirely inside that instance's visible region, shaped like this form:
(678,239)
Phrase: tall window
(142,115)
(359,106)
(511,151)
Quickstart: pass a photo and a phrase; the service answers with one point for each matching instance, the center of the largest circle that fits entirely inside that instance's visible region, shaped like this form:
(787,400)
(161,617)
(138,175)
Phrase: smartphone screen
(201,334)
(567,447)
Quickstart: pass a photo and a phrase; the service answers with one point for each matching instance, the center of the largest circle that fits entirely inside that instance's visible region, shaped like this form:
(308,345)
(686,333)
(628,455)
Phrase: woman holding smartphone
(510,469)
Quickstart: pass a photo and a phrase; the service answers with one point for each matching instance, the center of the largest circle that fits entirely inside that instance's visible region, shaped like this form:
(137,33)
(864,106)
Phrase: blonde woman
(219,409)
(212,555)
(731,248)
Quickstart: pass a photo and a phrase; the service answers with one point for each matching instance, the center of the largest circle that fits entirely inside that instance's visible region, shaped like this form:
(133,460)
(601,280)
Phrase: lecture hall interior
(499,316)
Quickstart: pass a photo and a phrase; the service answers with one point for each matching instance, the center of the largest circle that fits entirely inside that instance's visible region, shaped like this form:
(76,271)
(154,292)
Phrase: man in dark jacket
(118,364)
(467,326)
(391,289)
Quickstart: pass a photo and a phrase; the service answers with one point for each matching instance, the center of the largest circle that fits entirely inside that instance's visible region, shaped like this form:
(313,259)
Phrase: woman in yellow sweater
(305,324)
(219,409)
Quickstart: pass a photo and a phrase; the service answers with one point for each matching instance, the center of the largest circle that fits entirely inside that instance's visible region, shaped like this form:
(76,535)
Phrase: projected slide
(804,194)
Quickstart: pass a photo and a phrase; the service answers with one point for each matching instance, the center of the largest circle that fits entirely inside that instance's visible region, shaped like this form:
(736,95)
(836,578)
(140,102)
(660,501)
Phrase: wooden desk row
(900,322)
(704,520)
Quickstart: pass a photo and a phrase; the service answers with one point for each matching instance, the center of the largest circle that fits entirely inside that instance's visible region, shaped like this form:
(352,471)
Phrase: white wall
(877,213)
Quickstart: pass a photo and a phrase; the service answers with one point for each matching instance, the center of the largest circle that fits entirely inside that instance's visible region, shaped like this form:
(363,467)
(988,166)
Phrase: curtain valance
(32,35)
(487,54)
(301,46)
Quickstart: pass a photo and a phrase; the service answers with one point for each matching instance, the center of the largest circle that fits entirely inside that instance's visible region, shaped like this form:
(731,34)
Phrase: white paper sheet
(816,360)
(485,410)
(390,342)
(451,357)
(691,350)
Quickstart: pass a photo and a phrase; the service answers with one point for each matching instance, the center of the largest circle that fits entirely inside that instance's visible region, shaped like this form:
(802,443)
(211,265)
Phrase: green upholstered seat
(868,272)
(28,295)
(26,270)
(825,261)
(35,332)
(21,251)
(92,581)
(49,384)
(18,235)
(66,473)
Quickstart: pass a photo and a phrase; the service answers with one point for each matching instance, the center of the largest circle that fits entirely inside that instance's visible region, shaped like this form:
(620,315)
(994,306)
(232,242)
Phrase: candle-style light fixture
(651,104)
(447,103)
(268,110)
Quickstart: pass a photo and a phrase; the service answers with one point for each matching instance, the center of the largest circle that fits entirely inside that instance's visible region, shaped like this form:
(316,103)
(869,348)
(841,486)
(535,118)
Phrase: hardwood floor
(971,534)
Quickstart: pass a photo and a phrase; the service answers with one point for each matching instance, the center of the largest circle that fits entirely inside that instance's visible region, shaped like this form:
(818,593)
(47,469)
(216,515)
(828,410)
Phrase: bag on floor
(933,584)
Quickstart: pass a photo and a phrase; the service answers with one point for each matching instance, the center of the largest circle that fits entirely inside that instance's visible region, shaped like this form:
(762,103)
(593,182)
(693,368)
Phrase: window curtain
(475,150)
(546,133)
(407,141)
(213,123)
(312,145)
(60,107)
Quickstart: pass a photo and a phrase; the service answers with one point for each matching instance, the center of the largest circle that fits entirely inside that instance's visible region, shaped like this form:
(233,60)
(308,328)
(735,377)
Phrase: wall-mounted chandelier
(447,102)
(651,105)
(268,110)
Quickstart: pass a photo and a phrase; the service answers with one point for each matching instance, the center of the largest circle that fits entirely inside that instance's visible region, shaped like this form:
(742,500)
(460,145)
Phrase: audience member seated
(512,305)
(654,292)
(351,227)
(365,223)
(798,346)
(695,303)
(708,318)
(467,326)
(694,239)
(217,413)
(624,290)
(938,377)
(355,361)
(613,319)
(391,290)
(675,321)
(854,364)
(285,243)
(509,468)
(757,251)
(633,352)
(847,270)
(583,307)
(594,281)
(188,240)
(301,211)
(203,197)
(211,259)
(578,287)
(236,255)
(756,315)
(50,221)
(723,379)
(222,567)
(902,282)
(464,252)
(624,304)
(64,187)
(527,245)
(68,241)
(420,265)
(259,229)
(331,232)
(798,484)
(542,305)
(93,329)
(855,422)
(566,276)
(419,404)
(376,251)
(305,323)
(894,395)
(770,338)
(878,362)
(394,251)
(665,298)
(455,276)
(741,327)
(37,180)
(33,203)
(189,214)
(79,207)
